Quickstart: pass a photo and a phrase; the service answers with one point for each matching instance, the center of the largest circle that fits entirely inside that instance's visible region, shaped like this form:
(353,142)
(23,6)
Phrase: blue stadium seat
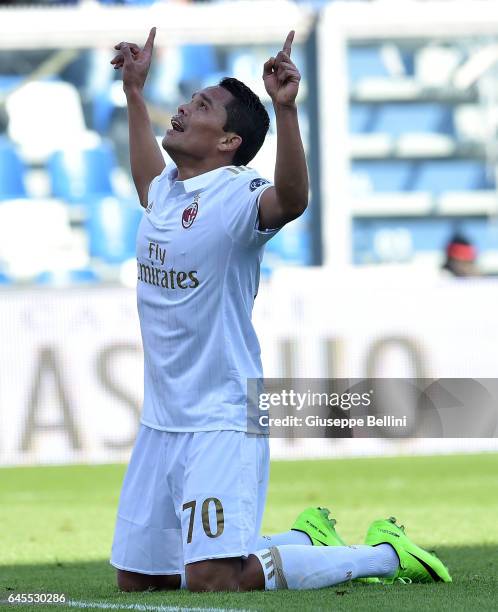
(198,61)
(385,175)
(112,229)
(435,177)
(291,245)
(102,109)
(80,175)
(450,175)
(67,277)
(427,235)
(9,81)
(366,62)
(362,118)
(5,279)
(408,60)
(398,119)
(11,172)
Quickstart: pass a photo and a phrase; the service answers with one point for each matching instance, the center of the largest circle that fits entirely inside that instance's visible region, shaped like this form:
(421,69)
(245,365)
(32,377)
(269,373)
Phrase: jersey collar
(201,181)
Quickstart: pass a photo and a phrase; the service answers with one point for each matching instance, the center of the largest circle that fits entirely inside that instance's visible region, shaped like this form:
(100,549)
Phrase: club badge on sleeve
(257,183)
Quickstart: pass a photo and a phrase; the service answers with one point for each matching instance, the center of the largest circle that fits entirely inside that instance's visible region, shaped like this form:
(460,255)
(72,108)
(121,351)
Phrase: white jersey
(198,259)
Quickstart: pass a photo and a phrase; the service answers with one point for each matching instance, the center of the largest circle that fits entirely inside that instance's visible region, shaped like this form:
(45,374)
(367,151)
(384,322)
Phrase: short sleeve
(154,185)
(241,210)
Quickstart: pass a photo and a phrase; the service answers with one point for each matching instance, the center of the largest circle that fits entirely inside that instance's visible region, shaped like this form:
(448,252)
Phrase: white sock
(315,567)
(278,539)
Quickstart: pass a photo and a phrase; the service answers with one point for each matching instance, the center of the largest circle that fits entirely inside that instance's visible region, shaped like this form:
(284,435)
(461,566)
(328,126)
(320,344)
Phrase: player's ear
(229,142)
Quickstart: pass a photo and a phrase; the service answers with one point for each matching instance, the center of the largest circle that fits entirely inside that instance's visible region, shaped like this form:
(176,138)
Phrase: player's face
(201,125)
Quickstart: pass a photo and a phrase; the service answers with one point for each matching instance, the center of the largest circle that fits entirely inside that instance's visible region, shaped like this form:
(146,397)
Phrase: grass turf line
(57,524)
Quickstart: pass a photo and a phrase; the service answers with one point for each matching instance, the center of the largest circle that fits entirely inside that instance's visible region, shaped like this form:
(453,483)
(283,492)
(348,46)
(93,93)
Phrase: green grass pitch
(56,526)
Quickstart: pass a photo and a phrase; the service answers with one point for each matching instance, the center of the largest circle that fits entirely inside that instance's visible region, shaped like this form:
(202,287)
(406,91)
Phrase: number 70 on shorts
(206,505)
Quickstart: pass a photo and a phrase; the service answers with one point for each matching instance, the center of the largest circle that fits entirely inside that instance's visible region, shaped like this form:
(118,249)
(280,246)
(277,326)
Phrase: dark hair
(247,117)
(458,238)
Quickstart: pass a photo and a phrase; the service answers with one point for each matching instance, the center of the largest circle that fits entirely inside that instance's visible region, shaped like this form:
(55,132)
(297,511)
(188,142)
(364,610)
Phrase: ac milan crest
(190,213)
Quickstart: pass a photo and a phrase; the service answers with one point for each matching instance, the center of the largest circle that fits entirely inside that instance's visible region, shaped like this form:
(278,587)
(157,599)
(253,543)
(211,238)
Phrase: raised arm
(289,198)
(146,158)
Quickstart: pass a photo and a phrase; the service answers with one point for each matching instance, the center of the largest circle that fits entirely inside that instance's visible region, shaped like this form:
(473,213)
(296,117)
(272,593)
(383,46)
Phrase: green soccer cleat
(315,523)
(415,563)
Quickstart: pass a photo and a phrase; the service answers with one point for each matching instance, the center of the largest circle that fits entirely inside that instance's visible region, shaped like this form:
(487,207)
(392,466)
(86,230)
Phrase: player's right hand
(134,61)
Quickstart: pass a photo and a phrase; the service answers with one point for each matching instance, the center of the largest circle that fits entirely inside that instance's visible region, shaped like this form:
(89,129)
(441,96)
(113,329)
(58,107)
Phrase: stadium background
(399,110)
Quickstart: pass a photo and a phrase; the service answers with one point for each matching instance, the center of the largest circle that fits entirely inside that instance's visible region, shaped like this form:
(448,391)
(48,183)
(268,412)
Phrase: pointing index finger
(288,42)
(150,40)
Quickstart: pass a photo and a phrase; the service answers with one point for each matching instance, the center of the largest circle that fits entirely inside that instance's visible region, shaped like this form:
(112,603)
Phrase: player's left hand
(281,77)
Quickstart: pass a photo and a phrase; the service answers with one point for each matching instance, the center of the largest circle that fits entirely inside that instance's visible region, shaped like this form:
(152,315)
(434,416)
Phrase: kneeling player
(194,493)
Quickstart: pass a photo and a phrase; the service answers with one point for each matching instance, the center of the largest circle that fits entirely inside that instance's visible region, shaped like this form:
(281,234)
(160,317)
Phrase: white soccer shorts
(188,497)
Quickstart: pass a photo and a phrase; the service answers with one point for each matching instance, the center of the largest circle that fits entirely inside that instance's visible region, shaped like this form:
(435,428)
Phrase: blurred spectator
(461,257)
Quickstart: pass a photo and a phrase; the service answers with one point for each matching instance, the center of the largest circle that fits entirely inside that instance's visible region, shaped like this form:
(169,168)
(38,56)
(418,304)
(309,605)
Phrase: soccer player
(193,496)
